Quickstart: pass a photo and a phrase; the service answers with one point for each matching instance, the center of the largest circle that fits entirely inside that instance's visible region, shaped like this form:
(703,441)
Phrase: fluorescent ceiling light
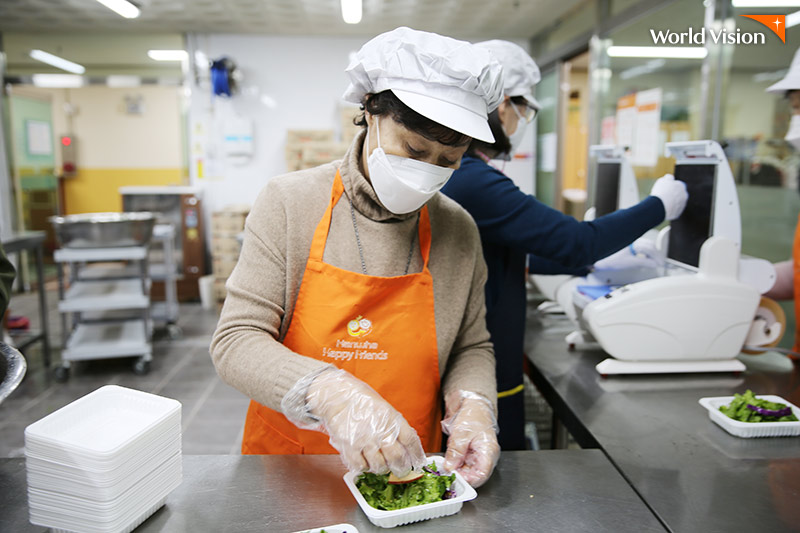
(57,81)
(168,55)
(666,52)
(793,19)
(119,81)
(122,7)
(351,11)
(766,3)
(58,62)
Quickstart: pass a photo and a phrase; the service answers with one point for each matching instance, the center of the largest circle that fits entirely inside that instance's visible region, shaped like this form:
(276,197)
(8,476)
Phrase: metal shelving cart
(104,314)
(105,311)
(162,267)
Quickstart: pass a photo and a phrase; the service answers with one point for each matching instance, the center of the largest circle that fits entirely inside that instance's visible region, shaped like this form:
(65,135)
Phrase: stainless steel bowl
(104,230)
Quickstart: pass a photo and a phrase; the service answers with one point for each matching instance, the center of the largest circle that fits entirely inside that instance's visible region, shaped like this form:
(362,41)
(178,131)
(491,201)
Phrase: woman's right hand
(369,433)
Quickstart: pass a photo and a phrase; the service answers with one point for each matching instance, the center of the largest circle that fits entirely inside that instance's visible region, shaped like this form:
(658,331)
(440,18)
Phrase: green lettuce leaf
(382,495)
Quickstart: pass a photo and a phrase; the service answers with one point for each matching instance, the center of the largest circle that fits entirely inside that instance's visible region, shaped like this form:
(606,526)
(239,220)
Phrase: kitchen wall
(288,83)
(123,136)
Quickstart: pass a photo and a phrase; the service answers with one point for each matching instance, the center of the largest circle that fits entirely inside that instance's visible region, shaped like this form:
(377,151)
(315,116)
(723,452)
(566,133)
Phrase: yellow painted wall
(97,189)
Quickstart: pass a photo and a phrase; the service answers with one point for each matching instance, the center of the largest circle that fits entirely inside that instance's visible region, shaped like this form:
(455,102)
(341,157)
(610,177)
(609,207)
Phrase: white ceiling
(466,19)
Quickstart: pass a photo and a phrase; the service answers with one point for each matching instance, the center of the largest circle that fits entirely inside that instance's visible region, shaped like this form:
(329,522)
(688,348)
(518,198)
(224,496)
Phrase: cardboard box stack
(311,148)
(226,225)
(298,140)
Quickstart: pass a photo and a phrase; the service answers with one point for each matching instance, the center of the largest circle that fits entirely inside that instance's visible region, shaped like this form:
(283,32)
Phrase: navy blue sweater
(513,224)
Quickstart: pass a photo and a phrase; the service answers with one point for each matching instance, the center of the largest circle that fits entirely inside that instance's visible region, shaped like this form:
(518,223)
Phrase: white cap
(791,81)
(520,72)
(448,81)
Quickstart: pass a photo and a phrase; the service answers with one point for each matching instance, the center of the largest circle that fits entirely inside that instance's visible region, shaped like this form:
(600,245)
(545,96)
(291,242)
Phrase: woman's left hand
(472,448)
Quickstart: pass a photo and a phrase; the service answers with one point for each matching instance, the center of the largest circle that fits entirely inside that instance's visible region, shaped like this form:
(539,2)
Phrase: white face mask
(516,138)
(403,184)
(793,135)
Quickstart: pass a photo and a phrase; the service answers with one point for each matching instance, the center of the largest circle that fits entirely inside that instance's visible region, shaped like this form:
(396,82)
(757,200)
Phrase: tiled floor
(213,413)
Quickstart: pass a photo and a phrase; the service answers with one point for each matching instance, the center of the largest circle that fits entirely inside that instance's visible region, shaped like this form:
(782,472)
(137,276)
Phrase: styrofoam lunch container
(338,528)
(61,453)
(105,462)
(417,513)
(127,513)
(124,414)
(751,429)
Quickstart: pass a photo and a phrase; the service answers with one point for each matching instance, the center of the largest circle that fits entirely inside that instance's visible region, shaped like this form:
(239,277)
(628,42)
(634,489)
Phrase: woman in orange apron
(363,364)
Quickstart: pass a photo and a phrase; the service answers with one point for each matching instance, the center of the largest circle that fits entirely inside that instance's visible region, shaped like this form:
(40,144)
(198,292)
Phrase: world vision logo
(359,327)
(776,23)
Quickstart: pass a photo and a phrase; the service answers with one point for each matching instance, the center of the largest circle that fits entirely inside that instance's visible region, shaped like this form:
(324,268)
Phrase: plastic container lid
(749,430)
(417,513)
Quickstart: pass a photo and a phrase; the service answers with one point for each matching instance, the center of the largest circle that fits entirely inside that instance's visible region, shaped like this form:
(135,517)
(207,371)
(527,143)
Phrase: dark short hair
(501,144)
(387,103)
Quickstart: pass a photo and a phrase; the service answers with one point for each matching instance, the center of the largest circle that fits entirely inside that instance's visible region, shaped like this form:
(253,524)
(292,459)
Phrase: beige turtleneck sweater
(246,347)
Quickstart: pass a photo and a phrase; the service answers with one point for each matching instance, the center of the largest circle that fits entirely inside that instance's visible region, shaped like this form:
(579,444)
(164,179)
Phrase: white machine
(615,187)
(615,184)
(696,311)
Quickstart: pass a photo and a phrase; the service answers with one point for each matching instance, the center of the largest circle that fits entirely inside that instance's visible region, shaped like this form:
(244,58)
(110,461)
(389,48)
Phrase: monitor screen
(606,191)
(689,231)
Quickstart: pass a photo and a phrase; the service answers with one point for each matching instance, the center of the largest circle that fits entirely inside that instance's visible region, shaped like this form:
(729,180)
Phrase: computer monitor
(688,232)
(606,190)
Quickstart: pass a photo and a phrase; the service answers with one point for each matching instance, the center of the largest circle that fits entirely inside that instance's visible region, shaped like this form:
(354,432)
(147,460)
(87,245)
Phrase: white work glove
(472,448)
(369,434)
(672,194)
(642,253)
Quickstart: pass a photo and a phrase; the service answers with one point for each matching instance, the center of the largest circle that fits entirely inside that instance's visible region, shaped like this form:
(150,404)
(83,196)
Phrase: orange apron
(380,329)
(796,280)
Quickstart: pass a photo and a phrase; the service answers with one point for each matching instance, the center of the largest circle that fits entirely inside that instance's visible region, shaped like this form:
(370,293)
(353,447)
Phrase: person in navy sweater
(513,224)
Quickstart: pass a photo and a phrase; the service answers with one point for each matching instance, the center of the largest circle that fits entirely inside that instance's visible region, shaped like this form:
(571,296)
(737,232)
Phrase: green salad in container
(747,408)
(433,486)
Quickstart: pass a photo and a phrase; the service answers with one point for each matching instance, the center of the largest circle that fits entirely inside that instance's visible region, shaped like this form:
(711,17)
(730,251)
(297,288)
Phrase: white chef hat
(791,81)
(446,80)
(520,72)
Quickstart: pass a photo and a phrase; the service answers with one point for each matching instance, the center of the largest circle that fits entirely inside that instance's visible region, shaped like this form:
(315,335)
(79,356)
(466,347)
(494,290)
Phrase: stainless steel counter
(694,475)
(548,491)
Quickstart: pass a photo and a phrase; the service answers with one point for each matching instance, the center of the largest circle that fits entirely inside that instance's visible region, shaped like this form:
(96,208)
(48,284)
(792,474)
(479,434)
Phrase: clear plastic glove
(472,448)
(369,434)
(641,254)
(672,194)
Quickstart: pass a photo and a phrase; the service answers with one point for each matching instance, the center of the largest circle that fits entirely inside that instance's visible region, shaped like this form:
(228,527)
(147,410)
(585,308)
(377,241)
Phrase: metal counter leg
(43,305)
(559,435)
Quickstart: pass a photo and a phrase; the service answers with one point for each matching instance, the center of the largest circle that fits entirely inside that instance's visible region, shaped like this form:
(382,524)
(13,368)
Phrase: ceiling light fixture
(57,81)
(116,81)
(792,19)
(58,62)
(168,55)
(351,11)
(122,8)
(665,52)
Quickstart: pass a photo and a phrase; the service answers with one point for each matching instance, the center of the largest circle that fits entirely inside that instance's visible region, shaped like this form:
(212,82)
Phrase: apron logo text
(349,350)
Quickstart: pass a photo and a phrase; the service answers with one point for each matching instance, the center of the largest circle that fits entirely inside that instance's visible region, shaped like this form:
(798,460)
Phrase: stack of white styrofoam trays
(105,462)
